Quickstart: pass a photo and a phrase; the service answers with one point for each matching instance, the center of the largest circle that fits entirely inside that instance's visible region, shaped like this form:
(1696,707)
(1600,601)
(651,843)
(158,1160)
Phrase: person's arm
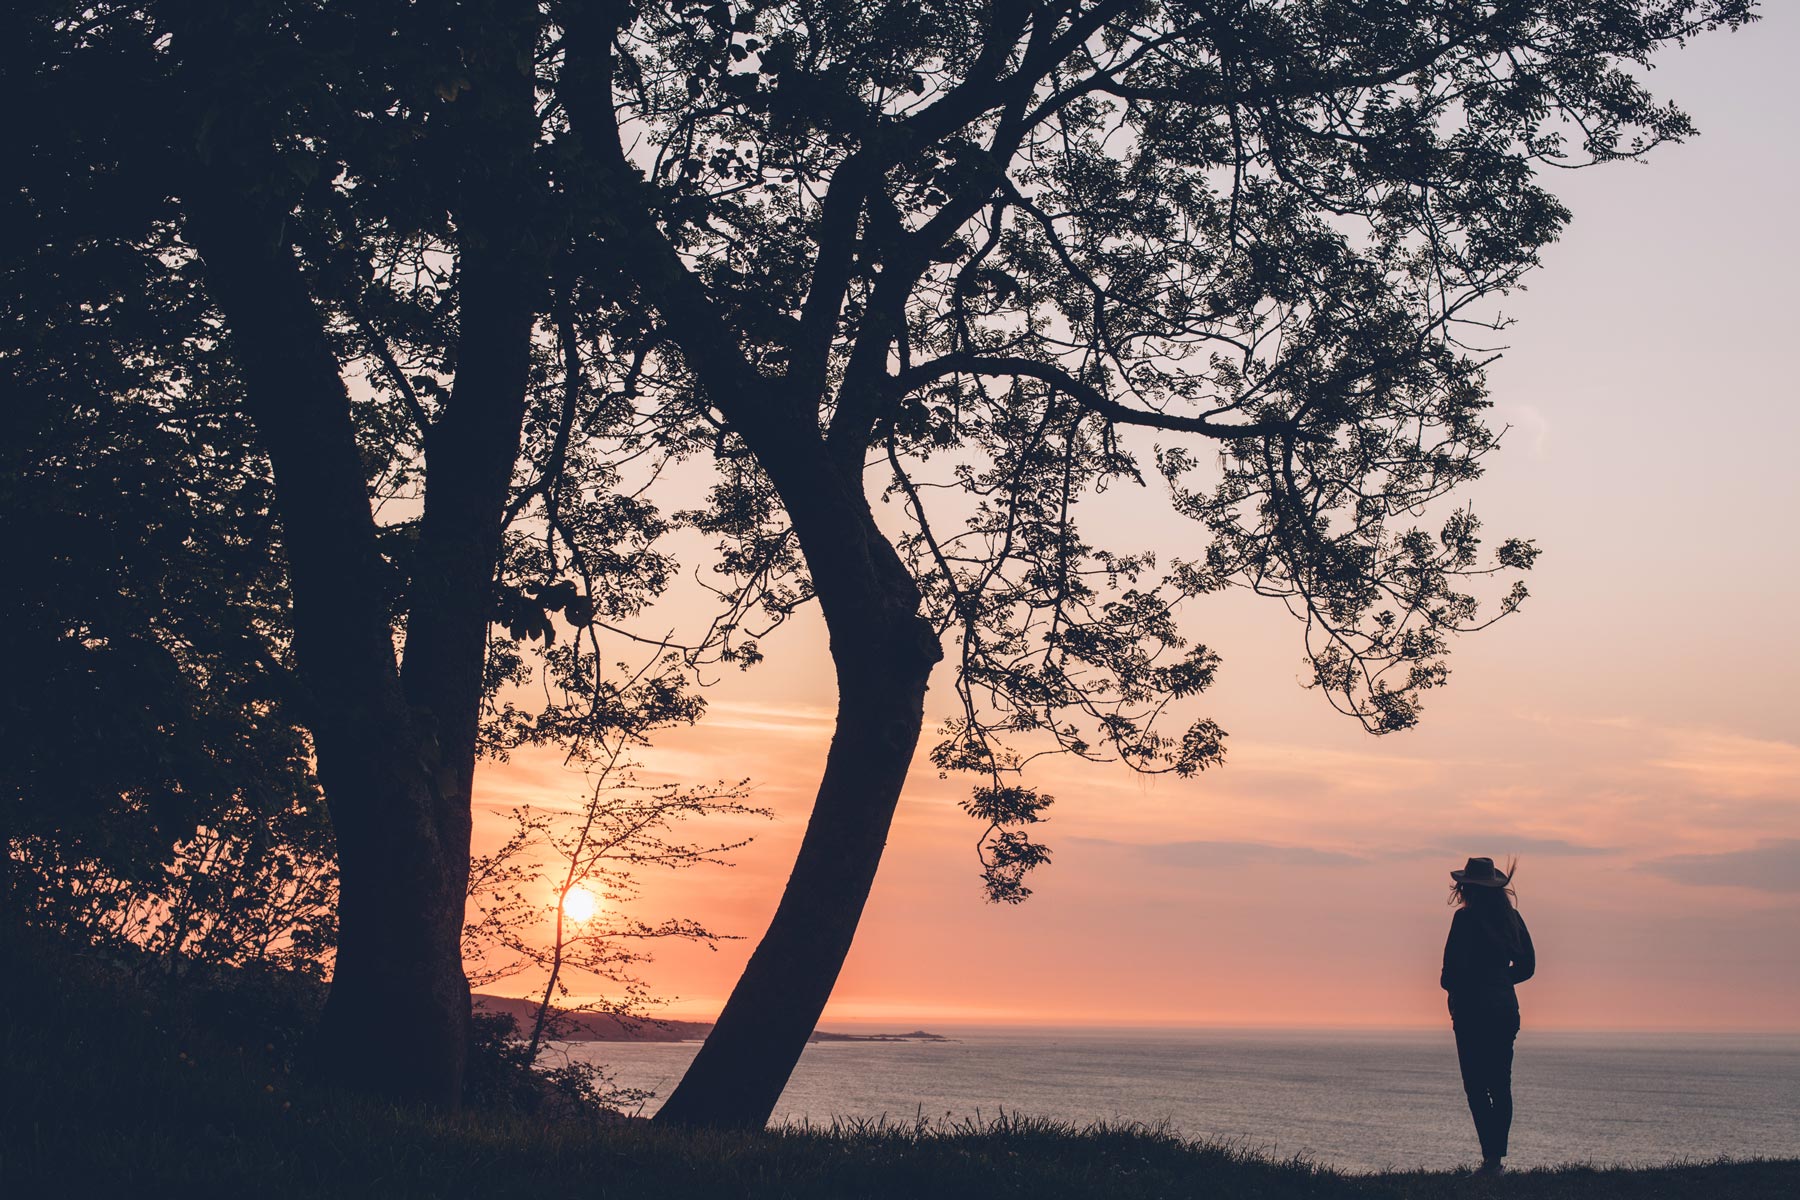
(1452,952)
(1524,963)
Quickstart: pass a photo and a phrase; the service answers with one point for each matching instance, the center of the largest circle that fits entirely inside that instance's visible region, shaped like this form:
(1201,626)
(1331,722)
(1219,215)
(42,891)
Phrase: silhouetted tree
(600,850)
(984,259)
(981,260)
(353,206)
(156,787)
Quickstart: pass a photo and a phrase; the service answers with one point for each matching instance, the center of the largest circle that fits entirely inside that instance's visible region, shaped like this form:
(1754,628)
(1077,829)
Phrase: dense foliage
(872,299)
(156,785)
(1008,256)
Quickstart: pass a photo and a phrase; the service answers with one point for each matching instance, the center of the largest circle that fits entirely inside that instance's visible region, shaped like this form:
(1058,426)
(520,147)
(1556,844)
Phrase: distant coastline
(608,1027)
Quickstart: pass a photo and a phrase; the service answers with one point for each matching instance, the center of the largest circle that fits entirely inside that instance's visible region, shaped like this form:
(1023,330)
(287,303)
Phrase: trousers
(1484,1049)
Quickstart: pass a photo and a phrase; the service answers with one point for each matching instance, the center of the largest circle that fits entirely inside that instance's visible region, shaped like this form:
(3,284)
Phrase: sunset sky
(1632,736)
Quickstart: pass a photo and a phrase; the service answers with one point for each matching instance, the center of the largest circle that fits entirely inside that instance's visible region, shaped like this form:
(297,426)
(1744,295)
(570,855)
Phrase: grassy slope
(110,1090)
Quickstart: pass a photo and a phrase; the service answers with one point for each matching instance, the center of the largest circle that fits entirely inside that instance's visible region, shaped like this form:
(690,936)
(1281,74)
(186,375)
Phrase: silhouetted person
(1488,951)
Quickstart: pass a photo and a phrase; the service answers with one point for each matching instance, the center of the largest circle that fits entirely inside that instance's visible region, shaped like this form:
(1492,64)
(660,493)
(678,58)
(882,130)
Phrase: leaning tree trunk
(882,648)
(883,651)
(882,669)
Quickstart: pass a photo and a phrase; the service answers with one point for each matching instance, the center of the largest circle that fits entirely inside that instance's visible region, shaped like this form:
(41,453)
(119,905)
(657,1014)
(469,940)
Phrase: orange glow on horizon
(1631,735)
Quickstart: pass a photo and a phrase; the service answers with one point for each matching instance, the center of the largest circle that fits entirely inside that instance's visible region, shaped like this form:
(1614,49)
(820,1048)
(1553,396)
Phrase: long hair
(1502,897)
(1493,908)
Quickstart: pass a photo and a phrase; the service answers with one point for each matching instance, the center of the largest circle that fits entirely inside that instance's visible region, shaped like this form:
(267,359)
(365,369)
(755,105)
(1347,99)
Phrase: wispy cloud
(1769,867)
(1224,854)
(781,719)
(1731,765)
(1501,844)
(1528,425)
(1217,853)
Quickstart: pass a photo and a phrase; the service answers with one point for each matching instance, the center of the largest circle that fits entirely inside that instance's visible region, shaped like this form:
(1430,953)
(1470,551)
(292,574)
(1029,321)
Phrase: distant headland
(609,1027)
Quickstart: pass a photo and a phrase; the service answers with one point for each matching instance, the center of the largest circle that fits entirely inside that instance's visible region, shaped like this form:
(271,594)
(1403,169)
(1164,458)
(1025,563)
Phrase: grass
(114,1089)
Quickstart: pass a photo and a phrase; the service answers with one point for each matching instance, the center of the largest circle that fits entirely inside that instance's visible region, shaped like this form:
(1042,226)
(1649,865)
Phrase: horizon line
(828,1022)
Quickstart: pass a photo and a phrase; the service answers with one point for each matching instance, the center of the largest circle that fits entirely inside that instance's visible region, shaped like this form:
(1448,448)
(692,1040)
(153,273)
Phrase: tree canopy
(1007,256)
(484,271)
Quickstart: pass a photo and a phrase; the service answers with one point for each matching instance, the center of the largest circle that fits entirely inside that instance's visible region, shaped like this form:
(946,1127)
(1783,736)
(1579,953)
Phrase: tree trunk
(883,655)
(395,749)
(397,1018)
(883,651)
(396,1023)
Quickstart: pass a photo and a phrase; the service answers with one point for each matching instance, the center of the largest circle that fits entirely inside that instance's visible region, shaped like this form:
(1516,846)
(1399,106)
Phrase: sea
(1356,1101)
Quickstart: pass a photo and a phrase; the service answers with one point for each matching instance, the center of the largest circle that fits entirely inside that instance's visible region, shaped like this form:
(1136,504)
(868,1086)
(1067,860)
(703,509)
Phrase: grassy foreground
(113,1089)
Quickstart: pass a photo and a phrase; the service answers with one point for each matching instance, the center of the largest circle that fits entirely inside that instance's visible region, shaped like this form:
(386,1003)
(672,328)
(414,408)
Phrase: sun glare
(579,904)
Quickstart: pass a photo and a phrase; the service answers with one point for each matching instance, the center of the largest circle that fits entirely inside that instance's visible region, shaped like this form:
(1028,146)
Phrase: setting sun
(579,904)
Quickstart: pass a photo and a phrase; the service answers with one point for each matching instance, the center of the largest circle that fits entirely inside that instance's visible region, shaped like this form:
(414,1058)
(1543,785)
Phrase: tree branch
(1086,395)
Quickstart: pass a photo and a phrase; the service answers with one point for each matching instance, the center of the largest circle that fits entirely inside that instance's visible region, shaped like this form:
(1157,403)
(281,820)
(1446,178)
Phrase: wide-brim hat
(1482,873)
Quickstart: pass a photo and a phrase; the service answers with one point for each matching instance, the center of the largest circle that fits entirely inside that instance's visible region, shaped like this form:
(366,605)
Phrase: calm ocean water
(1357,1101)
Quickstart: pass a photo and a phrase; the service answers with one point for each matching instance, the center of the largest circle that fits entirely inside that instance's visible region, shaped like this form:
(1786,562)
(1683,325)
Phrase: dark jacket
(1485,955)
